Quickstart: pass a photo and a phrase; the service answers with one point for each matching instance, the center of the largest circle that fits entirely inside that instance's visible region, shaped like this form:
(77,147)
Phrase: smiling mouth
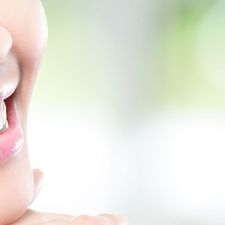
(11,135)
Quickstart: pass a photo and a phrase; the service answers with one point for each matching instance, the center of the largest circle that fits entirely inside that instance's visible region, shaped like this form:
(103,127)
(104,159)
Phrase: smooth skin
(23,38)
(36,218)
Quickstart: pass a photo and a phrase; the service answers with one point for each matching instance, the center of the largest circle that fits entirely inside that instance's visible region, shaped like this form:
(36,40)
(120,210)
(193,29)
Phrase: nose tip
(5,43)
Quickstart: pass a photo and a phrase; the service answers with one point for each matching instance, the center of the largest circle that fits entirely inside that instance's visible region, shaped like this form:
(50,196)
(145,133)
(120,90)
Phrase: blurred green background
(100,52)
(137,89)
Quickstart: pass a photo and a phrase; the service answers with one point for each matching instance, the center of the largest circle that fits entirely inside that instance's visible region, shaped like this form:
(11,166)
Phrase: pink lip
(10,140)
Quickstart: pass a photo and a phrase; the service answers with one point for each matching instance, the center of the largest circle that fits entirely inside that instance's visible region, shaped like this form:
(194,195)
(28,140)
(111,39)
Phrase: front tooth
(3,116)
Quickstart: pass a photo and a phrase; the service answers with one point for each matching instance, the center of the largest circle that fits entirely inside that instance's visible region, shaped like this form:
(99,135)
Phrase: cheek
(29,35)
(16,184)
(27,25)
(30,38)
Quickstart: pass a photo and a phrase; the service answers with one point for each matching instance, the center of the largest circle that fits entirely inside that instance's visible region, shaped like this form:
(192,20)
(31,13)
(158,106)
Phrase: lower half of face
(23,36)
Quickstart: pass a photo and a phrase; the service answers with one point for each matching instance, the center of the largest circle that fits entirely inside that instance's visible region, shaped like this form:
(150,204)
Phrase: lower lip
(11,140)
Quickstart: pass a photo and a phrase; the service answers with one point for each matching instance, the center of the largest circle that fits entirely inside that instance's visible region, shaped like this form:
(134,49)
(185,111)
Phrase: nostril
(5,43)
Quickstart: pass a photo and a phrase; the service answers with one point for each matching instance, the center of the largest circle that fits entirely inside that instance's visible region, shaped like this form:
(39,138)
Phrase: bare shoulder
(42,218)
(32,217)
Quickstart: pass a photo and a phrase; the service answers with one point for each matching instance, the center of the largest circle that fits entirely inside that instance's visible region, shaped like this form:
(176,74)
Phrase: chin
(17,188)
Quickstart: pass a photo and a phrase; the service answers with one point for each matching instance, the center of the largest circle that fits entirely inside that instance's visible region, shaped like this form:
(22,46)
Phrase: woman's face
(23,35)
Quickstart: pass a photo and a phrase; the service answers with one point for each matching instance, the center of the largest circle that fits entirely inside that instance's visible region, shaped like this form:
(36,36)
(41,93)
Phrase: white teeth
(3,117)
